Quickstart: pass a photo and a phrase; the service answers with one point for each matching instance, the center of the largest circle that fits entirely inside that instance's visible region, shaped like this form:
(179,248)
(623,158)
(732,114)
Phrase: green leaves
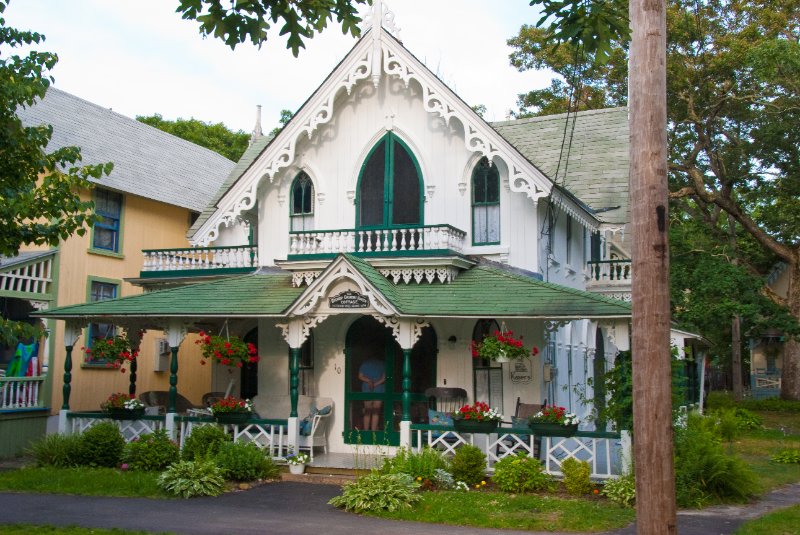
(250,19)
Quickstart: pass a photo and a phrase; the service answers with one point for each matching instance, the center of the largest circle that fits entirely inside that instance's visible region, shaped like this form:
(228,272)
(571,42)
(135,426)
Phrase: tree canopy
(216,137)
(243,20)
(732,101)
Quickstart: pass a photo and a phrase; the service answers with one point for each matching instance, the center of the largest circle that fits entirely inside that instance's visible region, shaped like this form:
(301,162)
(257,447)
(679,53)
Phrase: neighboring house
(766,351)
(391,223)
(157,187)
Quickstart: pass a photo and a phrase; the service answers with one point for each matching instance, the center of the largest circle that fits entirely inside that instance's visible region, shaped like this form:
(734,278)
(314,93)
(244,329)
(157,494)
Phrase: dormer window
(302,203)
(485,203)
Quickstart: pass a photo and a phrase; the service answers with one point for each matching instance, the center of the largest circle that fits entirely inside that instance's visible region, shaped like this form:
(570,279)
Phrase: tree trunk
(736,356)
(790,374)
(652,403)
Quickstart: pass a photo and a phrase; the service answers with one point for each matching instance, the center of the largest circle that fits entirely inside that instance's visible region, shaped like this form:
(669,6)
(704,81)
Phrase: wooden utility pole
(652,401)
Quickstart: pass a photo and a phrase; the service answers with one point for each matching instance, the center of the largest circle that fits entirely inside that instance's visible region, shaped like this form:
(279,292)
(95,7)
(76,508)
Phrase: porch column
(407,332)
(294,366)
(134,334)
(406,384)
(176,332)
(72,331)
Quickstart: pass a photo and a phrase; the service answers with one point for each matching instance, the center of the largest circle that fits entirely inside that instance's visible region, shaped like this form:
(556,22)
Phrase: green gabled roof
(246,295)
(486,291)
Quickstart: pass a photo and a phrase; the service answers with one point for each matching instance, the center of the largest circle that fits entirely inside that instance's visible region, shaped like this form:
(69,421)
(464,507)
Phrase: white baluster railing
(21,393)
(394,240)
(200,258)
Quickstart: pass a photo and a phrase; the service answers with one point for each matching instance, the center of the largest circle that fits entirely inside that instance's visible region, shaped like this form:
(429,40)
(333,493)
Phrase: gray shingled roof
(147,162)
(597,169)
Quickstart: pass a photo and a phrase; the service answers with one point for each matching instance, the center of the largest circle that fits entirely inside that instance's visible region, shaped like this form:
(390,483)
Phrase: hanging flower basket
(228,351)
(115,351)
(502,346)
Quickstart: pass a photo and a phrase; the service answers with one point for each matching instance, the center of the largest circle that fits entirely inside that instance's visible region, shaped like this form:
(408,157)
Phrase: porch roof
(482,291)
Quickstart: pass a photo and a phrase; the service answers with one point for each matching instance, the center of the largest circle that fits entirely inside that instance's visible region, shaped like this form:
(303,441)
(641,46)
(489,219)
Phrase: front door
(374,382)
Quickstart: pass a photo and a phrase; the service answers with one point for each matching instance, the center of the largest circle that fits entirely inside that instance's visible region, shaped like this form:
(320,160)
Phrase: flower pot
(125,414)
(553,430)
(474,426)
(297,469)
(232,417)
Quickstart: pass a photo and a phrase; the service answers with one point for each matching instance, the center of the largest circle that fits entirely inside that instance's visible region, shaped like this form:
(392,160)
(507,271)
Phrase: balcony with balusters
(611,278)
(197,261)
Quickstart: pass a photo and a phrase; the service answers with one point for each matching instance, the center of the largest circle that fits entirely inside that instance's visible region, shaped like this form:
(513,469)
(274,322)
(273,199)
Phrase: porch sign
(349,299)
(521,371)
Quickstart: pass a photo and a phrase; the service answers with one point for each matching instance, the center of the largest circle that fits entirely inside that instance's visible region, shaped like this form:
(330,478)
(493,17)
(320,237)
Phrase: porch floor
(333,462)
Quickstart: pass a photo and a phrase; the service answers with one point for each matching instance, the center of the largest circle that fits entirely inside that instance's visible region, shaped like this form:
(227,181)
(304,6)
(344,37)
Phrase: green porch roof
(246,295)
(482,291)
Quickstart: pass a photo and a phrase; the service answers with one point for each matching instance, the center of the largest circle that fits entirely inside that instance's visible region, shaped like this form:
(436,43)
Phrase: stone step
(319,478)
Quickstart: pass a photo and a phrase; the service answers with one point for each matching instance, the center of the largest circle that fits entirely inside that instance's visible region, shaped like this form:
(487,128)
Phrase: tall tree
(40,200)
(733,98)
(216,136)
(243,20)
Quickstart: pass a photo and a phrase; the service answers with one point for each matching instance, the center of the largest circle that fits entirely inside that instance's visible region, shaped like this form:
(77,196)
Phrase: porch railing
(19,393)
(609,271)
(605,452)
(392,240)
(195,259)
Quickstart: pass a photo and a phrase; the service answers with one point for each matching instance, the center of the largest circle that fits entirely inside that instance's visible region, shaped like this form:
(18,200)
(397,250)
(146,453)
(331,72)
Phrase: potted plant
(476,418)
(502,346)
(554,421)
(228,351)
(121,406)
(231,410)
(297,462)
(115,351)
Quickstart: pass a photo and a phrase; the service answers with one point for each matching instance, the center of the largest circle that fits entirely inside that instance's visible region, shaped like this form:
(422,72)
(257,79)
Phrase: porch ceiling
(482,291)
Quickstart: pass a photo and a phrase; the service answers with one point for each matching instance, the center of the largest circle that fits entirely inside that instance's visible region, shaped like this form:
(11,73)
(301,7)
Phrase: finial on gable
(379,17)
(257,132)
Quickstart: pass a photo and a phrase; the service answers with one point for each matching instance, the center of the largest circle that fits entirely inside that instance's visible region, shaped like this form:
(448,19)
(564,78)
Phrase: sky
(138,57)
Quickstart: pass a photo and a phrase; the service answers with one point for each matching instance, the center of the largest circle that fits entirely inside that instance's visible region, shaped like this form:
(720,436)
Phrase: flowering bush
(115,351)
(120,400)
(295,459)
(554,415)
(229,351)
(478,412)
(231,405)
(501,344)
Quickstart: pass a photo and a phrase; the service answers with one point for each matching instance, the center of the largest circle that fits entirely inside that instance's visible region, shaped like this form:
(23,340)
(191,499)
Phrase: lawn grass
(84,481)
(29,529)
(515,511)
(782,522)
(757,446)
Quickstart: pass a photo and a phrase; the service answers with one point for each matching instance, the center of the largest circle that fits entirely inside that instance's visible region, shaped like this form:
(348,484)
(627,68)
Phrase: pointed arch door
(373,382)
(390,188)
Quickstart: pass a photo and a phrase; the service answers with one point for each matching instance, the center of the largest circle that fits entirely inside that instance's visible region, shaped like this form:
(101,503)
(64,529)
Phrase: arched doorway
(374,382)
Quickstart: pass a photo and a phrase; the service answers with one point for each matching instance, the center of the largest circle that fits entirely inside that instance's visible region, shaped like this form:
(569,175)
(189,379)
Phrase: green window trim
(389,143)
(485,201)
(301,203)
(96,287)
(111,224)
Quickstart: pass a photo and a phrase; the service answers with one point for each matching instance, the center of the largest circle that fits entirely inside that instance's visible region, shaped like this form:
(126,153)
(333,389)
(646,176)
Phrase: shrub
(192,478)
(704,472)
(787,456)
(151,452)
(520,473)
(621,490)
(468,465)
(746,420)
(576,476)
(377,492)
(245,462)
(57,450)
(443,479)
(418,465)
(771,404)
(101,445)
(204,442)
(720,399)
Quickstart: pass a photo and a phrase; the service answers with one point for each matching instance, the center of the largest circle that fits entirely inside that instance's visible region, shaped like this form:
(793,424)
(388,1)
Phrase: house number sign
(520,371)
(348,299)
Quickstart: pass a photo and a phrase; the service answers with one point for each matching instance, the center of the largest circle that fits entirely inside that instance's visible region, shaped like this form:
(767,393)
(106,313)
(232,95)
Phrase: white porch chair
(318,436)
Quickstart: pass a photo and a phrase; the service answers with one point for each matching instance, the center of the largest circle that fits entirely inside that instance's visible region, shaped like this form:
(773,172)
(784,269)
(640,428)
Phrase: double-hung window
(108,206)
(485,203)
(97,332)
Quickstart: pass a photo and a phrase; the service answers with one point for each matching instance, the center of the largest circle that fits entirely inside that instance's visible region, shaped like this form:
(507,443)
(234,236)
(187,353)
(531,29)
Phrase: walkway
(299,509)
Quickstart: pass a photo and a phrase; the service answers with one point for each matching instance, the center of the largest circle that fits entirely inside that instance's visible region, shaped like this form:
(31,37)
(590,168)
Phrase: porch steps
(323,475)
